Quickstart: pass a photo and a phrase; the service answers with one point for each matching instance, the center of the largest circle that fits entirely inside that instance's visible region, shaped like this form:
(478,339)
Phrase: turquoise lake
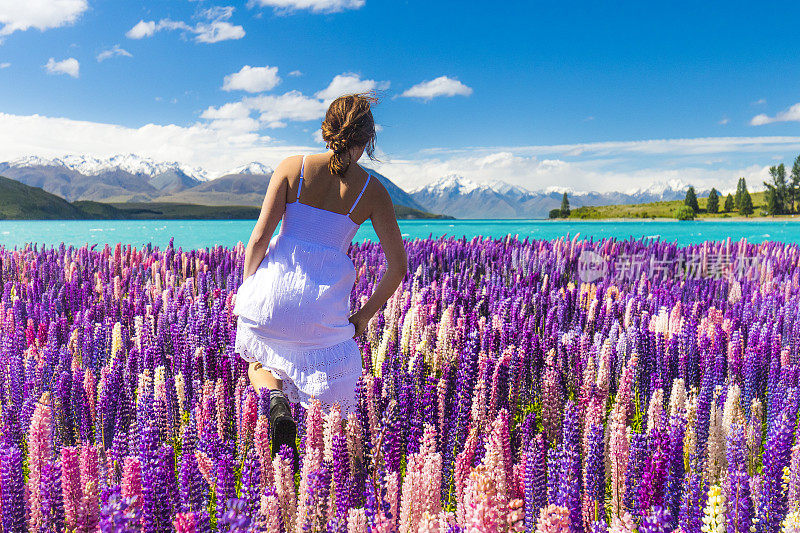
(205,233)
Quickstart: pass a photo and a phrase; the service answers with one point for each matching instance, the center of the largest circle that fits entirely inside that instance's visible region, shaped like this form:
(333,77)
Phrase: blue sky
(579,95)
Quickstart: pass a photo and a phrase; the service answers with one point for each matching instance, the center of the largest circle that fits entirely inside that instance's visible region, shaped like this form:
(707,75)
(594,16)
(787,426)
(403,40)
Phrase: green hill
(658,210)
(22,202)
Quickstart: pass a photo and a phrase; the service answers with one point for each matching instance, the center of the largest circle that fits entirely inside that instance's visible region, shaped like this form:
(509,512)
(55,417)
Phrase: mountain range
(463,198)
(130,178)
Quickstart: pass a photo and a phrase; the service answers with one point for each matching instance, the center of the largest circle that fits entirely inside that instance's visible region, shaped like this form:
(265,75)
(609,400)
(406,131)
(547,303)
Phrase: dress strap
(300,183)
(364,188)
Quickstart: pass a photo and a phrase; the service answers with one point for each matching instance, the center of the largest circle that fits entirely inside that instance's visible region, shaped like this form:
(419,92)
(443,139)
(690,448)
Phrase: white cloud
(441,86)
(723,121)
(115,50)
(20,15)
(789,115)
(651,147)
(317,136)
(252,79)
(217,29)
(349,83)
(214,148)
(760,101)
(4,65)
(275,110)
(142,29)
(227,137)
(295,73)
(69,66)
(315,6)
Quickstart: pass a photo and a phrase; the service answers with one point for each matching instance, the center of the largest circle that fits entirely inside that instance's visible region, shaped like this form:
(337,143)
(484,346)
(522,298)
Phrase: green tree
(691,199)
(794,184)
(554,213)
(565,206)
(771,199)
(729,203)
(740,188)
(712,205)
(684,212)
(745,203)
(777,190)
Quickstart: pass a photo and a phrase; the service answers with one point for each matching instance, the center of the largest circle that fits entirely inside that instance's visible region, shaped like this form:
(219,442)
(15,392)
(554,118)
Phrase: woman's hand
(360,321)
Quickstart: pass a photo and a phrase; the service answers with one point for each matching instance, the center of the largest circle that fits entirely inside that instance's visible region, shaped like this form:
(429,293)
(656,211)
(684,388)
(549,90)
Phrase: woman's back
(311,222)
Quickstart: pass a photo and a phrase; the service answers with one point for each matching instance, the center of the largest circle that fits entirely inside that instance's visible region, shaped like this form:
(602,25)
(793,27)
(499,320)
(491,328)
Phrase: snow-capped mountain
(463,198)
(131,178)
(253,167)
(131,163)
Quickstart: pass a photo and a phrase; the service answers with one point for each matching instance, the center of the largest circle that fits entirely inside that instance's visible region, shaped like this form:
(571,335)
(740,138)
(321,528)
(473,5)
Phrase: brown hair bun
(348,123)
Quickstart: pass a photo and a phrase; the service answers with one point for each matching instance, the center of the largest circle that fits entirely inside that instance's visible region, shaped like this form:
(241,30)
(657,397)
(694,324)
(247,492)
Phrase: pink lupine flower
(620,442)
(355,448)
(312,459)
(481,512)
(184,523)
(552,398)
(132,479)
(206,466)
(263,448)
(90,485)
(39,451)
(71,486)
(90,389)
(285,491)
(421,486)
(553,519)
(463,467)
(392,480)
(622,524)
(269,516)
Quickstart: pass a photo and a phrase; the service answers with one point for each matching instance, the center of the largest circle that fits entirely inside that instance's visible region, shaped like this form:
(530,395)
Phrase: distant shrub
(555,213)
(684,212)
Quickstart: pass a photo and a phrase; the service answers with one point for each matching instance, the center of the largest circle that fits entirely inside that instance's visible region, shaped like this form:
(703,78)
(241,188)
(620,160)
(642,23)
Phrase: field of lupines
(500,393)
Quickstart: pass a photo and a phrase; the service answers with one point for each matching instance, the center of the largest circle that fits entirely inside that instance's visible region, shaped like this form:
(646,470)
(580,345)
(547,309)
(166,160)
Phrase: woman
(294,323)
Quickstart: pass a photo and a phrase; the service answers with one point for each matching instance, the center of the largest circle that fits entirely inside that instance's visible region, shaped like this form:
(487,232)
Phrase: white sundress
(293,311)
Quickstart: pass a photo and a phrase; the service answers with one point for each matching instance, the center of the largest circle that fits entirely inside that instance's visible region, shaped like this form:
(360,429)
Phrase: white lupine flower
(714,514)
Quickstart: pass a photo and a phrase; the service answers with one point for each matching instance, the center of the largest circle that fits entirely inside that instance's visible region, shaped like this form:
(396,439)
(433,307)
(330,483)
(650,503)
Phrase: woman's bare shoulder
(289,165)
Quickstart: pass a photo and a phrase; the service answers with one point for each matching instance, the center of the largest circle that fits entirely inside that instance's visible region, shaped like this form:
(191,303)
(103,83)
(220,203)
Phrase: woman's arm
(385,224)
(271,212)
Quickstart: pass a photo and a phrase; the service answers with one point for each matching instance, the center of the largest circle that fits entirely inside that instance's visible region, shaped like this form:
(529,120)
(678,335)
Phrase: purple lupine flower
(225,488)
(739,514)
(569,466)
(773,504)
(12,485)
(594,474)
(658,520)
(695,493)
(251,480)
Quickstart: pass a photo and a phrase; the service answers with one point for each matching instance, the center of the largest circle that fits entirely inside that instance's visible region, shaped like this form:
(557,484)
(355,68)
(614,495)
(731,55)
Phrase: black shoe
(283,427)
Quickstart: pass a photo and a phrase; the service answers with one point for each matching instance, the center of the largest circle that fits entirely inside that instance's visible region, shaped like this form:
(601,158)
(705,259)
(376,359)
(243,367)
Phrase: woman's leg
(261,377)
(283,427)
